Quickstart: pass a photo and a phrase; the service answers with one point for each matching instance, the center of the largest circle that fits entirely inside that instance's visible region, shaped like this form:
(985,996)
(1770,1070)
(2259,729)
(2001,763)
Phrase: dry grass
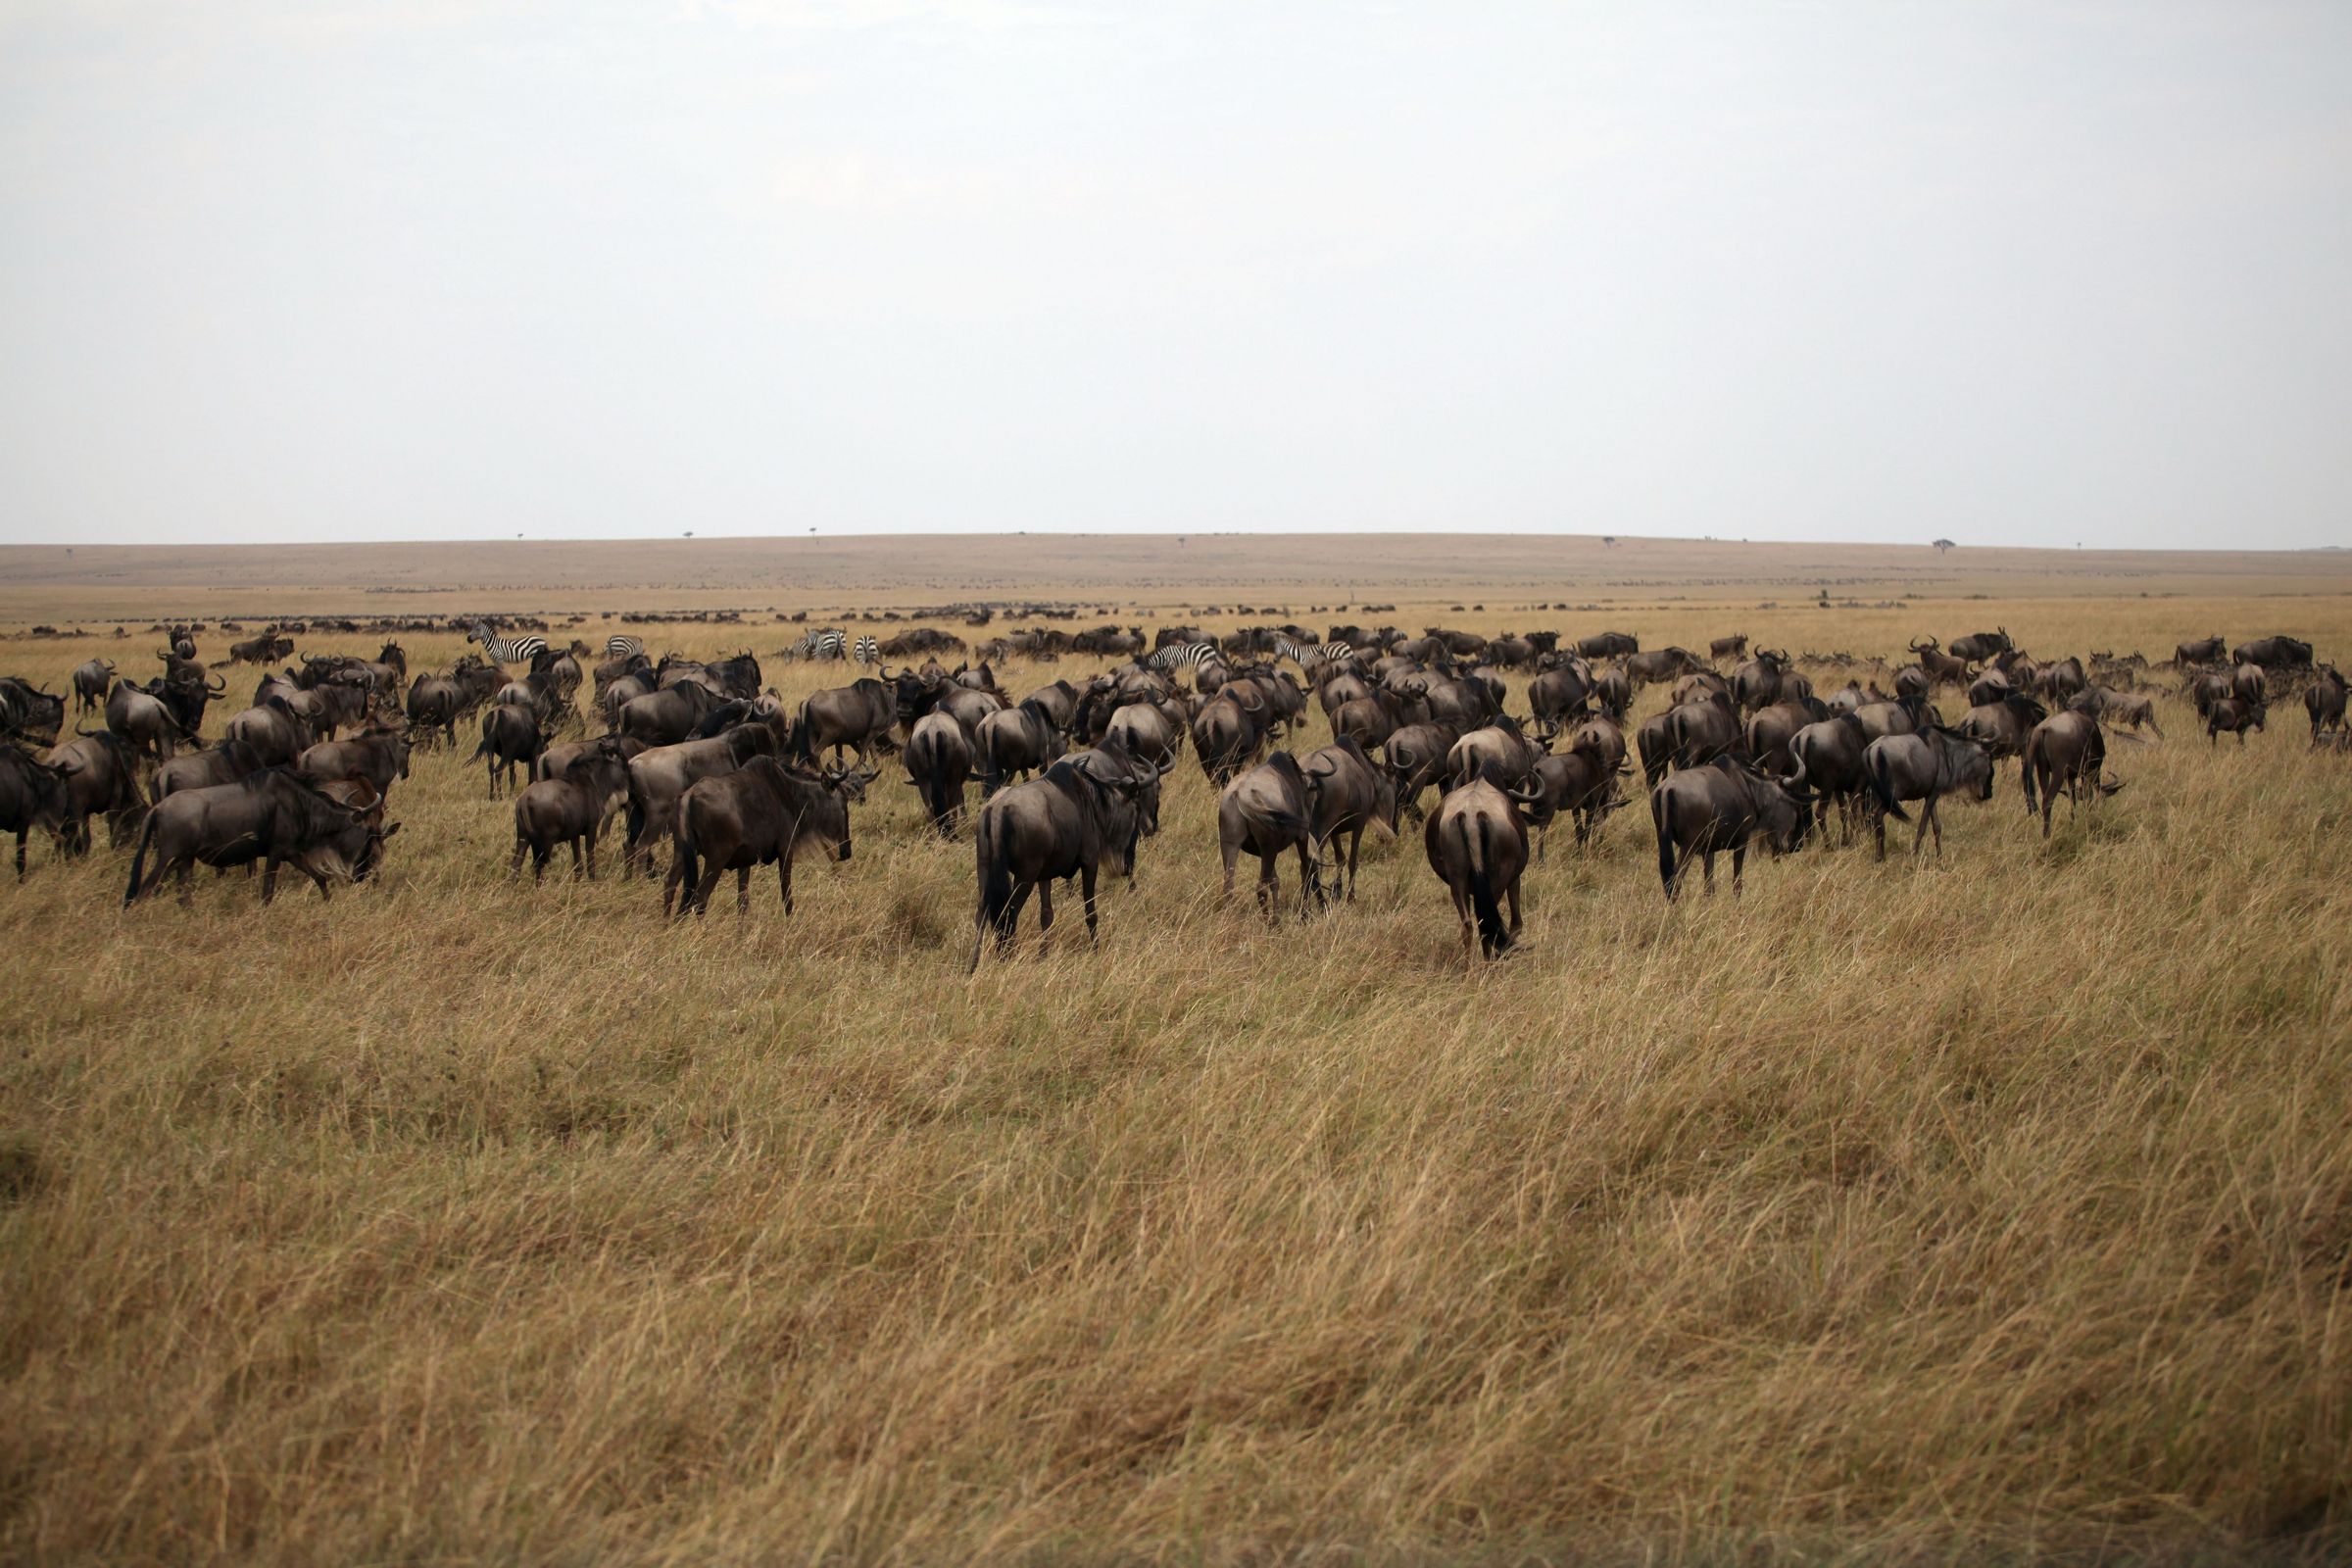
(1995,1208)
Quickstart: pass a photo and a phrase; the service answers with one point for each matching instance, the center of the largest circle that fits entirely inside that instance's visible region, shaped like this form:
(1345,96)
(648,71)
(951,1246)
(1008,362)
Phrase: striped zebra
(506,650)
(865,650)
(1304,654)
(822,645)
(617,647)
(1186,656)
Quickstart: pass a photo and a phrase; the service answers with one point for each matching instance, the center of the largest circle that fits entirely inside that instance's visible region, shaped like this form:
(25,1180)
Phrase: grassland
(1991,1209)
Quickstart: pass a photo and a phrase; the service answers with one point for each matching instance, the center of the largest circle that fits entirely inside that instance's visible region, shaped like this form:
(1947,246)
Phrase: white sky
(2007,272)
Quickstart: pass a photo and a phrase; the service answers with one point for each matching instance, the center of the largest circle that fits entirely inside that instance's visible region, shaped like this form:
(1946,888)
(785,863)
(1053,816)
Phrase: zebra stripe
(1301,654)
(822,645)
(506,650)
(1186,656)
(866,651)
(623,646)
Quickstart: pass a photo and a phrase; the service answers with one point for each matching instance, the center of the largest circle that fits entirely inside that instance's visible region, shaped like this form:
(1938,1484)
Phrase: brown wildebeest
(1227,737)
(2235,715)
(1069,823)
(1662,664)
(377,756)
(1988,688)
(2205,651)
(1415,757)
(659,778)
(1369,720)
(570,809)
(1769,731)
(1720,649)
(223,762)
(92,678)
(1476,841)
(1901,717)
(2065,750)
(1604,735)
(1979,646)
(858,716)
(2274,653)
(1612,692)
(1146,730)
(1608,645)
(1830,755)
(556,758)
(1346,792)
(1556,693)
(1699,733)
(1653,742)
(1498,751)
(1059,701)
(433,704)
(2111,706)
(1014,741)
(144,721)
(2003,726)
(2061,681)
(939,762)
(1722,806)
(1940,668)
(2249,683)
(762,812)
(1923,766)
(1580,781)
(2323,701)
(1757,683)
(670,715)
(275,817)
(32,794)
(511,737)
(1266,812)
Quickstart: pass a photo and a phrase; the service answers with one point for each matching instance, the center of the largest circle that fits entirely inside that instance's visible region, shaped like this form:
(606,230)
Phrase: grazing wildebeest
(2274,653)
(275,817)
(1415,757)
(1369,720)
(761,814)
(101,771)
(1612,693)
(2065,750)
(1830,755)
(1608,645)
(1923,766)
(1662,664)
(1979,646)
(29,711)
(2237,715)
(1580,782)
(1346,792)
(1014,741)
(1498,751)
(377,756)
(1720,649)
(1699,732)
(225,763)
(1266,812)
(1146,730)
(2204,650)
(32,794)
(1227,737)
(2002,726)
(939,761)
(92,679)
(556,758)
(144,721)
(433,704)
(1722,806)
(2323,701)
(2249,683)
(571,808)
(1769,731)
(856,716)
(659,777)
(1476,842)
(1557,694)
(1071,822)
(1940,668)
(2111,706)
(511,735)
(670,715)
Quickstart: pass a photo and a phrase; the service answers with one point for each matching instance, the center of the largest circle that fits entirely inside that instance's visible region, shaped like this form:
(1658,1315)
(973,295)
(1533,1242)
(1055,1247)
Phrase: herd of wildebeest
(708,766)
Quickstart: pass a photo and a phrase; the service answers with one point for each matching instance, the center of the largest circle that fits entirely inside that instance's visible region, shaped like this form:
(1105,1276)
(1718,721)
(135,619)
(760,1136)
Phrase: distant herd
(700,758)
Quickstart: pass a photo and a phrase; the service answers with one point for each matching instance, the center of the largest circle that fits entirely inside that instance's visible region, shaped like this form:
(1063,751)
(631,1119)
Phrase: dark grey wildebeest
(1476,842)
(759,814)
(1346,792)
(1924,766)
(275,817)
(2067,750)
(1702,812)
(1069,823)
(571,808)
(1265,812)
(939,762)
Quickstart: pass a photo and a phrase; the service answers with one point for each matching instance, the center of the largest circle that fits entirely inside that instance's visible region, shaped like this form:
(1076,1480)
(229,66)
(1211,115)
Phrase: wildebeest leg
(575,860)
(1461,912)
(1269,893)
(269,879)
(1919,837)
(704,886)
(589,838)
(1310,892)
(187,883)
(784,878)
(1706,860)
(742,890)
(1355,842)
(1877,823)
(1738,865)
(1012,914)
(514,866)
(1045,909)
(1513,896)
(21,832)
(1086,896)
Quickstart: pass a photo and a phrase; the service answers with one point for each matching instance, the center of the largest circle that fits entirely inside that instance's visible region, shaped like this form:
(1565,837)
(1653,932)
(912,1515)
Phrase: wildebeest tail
(1484,907)
(1661,817)
(1874,765)
(996,881)
(2033,765)
(138,859)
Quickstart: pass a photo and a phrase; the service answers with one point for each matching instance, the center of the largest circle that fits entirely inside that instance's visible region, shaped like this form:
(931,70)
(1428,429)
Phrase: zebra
(506,650)
(865,650)
(1186,656)
(1304,654)
(619,647)
(822,645)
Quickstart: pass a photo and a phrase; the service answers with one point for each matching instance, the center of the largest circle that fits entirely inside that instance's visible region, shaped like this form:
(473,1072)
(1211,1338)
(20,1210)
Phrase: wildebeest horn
(1529,797)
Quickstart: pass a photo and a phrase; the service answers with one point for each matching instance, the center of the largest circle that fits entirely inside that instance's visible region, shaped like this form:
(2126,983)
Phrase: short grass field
(1991,1207)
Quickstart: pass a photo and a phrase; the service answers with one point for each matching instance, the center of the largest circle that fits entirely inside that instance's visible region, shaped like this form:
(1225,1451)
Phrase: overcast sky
(2010,273)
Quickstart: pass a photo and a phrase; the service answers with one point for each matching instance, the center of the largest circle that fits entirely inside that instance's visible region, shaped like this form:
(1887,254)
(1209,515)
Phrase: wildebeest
(1346,792)
(275,817)
(2003,725)
(1769,731)
(556,758)
(32,794)
(1265,812)
(1415,757)
(2237,715)
(2323,701)
(666,716)
(1700,732)
(1979,646)
(1476,842)
(858,716)
(92,679)
(1767,679)
(1722,648)
(377,756)
(1580,782)
(571,808)
(144,721)
(1227,737)
(1146,730)
(511,736)
(1830,755)
(1722,806)
(2065,750)
(1940,667)
(658,778)
(1924,766)
(1661,664)
(1557,694)
(28,710)
(101,772)
(759,814)
(2205,651)
(939,761)
(223,762)
(1068,824)
(2111,706)
(2274,653)
(1608,645)
(1498,751)
(1014,741)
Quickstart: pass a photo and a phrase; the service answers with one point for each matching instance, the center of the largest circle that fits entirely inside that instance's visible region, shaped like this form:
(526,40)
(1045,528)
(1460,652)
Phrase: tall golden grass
(1991,1207)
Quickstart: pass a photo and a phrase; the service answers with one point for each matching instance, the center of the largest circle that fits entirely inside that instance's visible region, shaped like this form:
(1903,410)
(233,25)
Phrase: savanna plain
(1996,1206)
